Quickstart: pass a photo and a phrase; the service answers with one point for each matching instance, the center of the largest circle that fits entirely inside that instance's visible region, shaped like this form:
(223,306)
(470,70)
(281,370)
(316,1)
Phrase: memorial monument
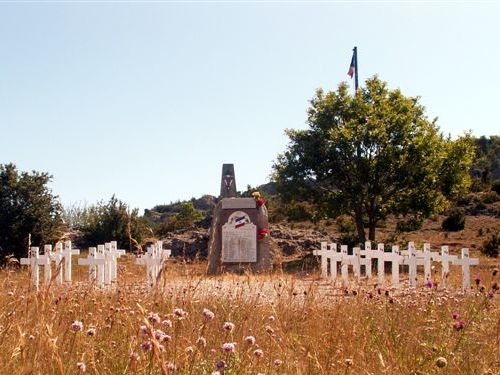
(238,235)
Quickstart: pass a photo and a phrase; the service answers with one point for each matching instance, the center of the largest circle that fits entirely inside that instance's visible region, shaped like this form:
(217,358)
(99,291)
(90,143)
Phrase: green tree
(371,155)
(27,206)
(112,221)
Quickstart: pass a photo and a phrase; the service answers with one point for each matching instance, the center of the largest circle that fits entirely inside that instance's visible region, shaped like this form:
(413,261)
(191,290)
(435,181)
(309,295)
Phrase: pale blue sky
(147,100)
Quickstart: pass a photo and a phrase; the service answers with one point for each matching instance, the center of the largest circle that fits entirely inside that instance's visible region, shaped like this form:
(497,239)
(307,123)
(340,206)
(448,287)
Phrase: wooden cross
(445,258)
(366,258)
(466,262)
(67,253)
(93,262)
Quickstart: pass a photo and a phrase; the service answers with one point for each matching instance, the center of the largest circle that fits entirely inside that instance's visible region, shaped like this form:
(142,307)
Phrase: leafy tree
(27,206)
(371,155)
(110,221)
(185,218)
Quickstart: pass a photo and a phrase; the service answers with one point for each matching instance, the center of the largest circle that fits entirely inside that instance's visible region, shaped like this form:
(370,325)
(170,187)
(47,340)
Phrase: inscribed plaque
(239,239)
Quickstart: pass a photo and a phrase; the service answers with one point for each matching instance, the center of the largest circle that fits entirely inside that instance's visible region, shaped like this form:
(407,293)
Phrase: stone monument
(238,235)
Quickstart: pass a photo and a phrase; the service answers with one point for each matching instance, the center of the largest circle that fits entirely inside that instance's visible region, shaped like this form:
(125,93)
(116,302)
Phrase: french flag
(239,221)
(352,67)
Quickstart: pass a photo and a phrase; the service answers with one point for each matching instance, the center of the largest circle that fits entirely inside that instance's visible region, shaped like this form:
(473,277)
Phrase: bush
(27,206)
(185,218)
(495,186)
(491,247)
(413,223)
(455,220)
(112,221)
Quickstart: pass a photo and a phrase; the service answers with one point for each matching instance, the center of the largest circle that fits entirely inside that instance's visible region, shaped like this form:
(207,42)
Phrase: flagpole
(355,68)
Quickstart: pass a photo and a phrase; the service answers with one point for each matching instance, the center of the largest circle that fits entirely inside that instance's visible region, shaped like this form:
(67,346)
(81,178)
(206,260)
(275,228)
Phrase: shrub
(455,220)
(27,206)
(491,247)
(495,186)
(413,223)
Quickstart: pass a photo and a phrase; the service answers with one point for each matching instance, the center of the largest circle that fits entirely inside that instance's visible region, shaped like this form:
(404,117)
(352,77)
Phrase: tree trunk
(360,226)
(371,233)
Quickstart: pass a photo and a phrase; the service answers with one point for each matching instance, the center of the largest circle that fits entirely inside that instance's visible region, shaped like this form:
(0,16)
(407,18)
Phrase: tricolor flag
(352,67)
(240,221)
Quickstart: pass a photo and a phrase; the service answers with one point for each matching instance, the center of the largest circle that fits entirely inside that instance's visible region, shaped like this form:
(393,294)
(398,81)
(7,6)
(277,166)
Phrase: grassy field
(242,324)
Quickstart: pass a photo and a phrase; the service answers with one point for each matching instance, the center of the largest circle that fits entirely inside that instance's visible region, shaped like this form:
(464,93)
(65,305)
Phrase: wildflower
(77,326)
(458,325)
(171,366)
(201,341)
(271,318)
(455,315)
(269,330)
(477,280)
(154,318)
(229,347)
(228,326)
(369,294)
(277,362)
(213,351)
(495,271)
(189,350)
(495,286)
(144,329)
(179,312)
(91,331)
(250,340)
(209,315)
(348,362)
(441,362)
(258,353)
(220,364)
(428,284)
(167,323)
(31,337)
(146,346)
(81,366)
(159,334)
(134,357)
(10,294)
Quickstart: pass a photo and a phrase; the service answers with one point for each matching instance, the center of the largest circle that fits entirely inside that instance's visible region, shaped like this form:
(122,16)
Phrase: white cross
(116,253)
(93,262)
(33,261)
(427,257)
(153,259)
(57,255)
(466,262)
(46,262)
(445,258)
(380,256)
(412,261)
(67,253)
(323,254)
(395,259)
(348,260)
(367,260)
(102,269)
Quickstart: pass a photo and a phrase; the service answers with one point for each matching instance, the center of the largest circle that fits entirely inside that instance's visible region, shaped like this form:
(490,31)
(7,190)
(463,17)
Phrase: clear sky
(146,100)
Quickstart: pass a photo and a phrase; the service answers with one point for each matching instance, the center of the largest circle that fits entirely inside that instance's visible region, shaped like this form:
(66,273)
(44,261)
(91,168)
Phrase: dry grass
(302,325)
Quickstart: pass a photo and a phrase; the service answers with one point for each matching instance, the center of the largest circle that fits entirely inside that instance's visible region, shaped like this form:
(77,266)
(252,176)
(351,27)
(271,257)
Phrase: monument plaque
(239,239)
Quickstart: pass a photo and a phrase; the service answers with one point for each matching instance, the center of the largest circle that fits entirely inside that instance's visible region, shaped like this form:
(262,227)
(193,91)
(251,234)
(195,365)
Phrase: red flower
(260,202)
(262,233)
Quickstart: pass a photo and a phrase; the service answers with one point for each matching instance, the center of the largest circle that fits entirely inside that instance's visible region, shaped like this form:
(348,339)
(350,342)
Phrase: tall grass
(283,324)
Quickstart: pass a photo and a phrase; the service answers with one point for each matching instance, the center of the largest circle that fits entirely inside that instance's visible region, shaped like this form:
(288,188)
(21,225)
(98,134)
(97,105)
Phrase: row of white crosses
(411,257)
(103,263)
(153,259)
(62,258)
